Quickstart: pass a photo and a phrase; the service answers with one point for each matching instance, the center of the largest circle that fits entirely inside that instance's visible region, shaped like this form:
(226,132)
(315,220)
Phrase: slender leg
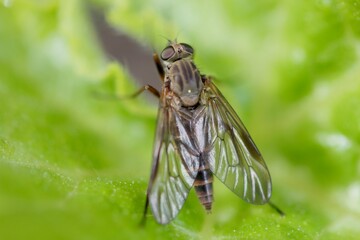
(143,221)
(153,174)
(159,66)
(276,208)
(149,88)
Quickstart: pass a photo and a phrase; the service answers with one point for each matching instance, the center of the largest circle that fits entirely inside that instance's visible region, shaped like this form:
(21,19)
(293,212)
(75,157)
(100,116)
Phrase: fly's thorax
(185,81)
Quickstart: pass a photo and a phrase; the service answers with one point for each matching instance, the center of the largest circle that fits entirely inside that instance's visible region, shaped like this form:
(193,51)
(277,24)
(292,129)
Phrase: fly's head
(175,51)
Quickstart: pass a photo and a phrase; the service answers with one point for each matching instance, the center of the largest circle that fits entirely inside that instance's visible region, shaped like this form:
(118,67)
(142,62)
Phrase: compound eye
(187,48)
(167,53)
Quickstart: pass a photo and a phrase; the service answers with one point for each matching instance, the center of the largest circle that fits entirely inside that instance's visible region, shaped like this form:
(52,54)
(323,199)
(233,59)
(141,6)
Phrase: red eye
(187,48)
(167,53)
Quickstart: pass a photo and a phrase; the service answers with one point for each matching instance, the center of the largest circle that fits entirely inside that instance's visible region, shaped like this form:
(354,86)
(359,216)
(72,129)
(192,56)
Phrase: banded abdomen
(204,185)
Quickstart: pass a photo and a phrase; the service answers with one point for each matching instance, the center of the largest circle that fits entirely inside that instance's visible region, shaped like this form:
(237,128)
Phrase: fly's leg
(276,208)
(151,181)
(153,174)
(149,88)
(159,66)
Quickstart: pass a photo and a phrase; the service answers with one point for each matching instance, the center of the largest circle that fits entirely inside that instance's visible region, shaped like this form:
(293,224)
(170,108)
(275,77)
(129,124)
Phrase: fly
(198,136)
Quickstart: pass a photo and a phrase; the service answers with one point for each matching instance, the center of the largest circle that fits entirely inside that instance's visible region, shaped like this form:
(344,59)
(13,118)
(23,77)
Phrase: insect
(198,136)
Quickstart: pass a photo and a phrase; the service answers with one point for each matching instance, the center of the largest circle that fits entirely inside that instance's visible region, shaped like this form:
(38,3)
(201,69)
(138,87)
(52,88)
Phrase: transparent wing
(233,156)
(174,168)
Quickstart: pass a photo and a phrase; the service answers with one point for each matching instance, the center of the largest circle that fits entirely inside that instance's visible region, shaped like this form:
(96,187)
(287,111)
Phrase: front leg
(159,66)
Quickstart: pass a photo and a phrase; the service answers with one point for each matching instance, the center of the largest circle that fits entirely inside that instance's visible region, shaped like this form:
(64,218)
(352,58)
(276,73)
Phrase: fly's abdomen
(204,185)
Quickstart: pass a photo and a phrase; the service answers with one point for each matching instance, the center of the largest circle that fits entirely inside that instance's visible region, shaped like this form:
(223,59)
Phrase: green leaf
(73,166)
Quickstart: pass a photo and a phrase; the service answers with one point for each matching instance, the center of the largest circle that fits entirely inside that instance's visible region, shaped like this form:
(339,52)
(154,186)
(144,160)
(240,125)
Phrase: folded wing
(232,154)
(175,165)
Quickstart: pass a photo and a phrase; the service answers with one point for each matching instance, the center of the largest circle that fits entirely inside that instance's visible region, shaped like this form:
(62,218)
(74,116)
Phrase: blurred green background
(73,166)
